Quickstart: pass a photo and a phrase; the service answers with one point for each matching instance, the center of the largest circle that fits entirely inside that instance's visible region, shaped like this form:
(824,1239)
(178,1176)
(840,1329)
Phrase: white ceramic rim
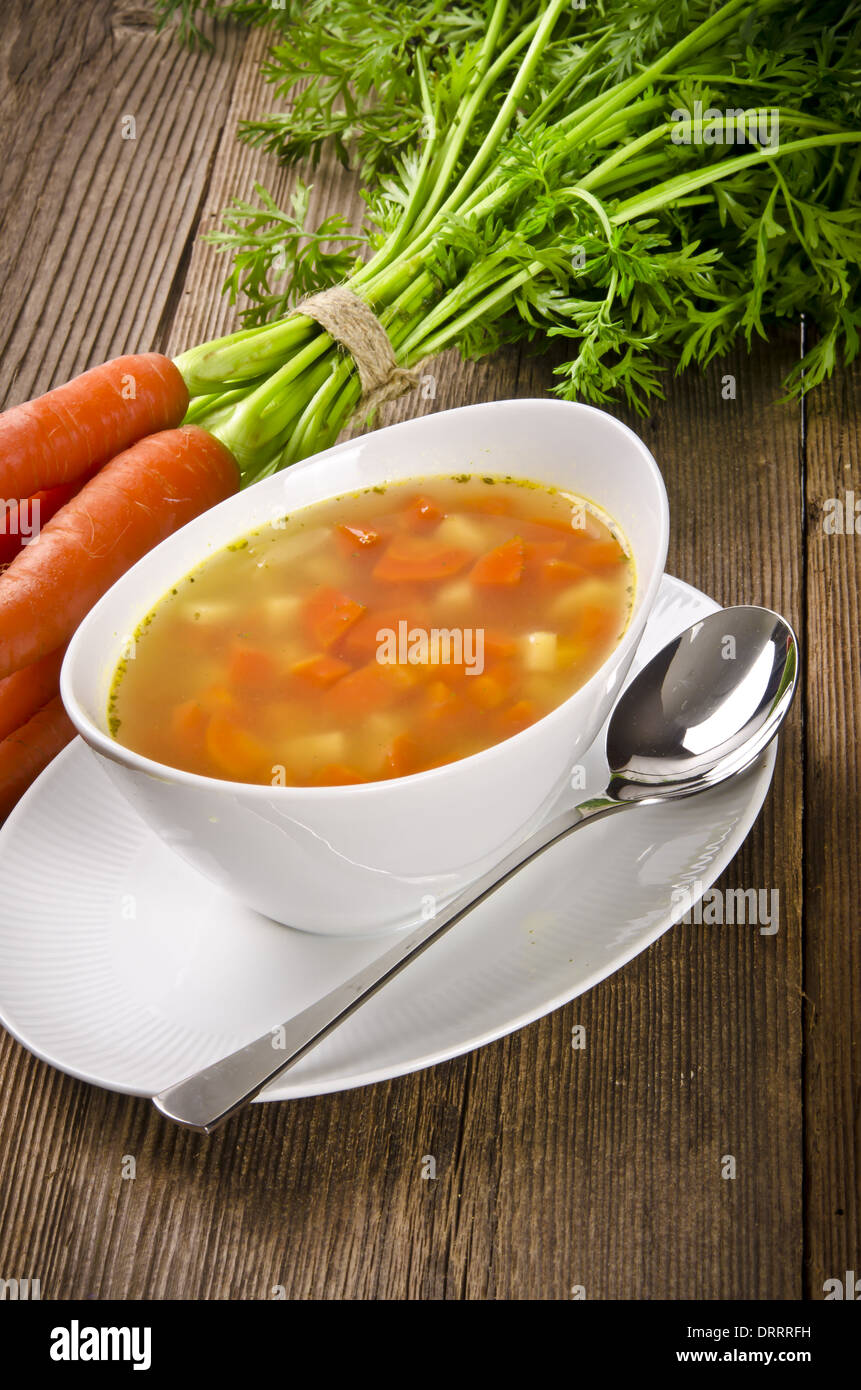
(117,752)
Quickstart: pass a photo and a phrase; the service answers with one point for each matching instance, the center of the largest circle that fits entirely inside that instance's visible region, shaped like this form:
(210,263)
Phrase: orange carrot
(560,523)
(25,692)
(27,751)
(562,571)
(420,513)
(322,670)
(602,554)
(217,699)
(357,538)
(20,522)
(188,722)
(498,644)
(134,502)
(252,669)
(487,691)
(486,504)
(403,756)
(328,614)
(236,753)
(361,642)
(336,775)
(414,559)
(536,553)
(595,623)
(370,688)
(504,565)
(57,437)
(440,699)
(517,717)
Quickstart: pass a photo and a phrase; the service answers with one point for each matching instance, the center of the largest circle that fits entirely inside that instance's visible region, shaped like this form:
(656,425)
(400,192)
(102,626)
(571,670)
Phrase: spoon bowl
(705,707)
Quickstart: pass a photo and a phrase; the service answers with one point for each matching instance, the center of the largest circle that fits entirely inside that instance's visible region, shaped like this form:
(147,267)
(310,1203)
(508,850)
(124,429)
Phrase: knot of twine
(353,324)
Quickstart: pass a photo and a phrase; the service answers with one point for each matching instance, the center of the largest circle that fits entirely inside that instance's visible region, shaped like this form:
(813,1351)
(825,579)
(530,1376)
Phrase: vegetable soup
(377,634)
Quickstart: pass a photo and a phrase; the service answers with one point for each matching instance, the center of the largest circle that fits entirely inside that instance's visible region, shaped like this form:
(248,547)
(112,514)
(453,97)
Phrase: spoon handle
(206,1099)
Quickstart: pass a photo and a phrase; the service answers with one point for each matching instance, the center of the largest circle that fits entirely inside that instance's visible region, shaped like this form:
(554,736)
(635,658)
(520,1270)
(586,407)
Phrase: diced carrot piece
(357,538)
(489,690)
(596,623)
(361,642)
(518,716)
(336,775)
(559,523)
(217,699)
(375,686)
(400,678)
(496,644)
(602,554)
(408,601)
(418,559)
(440,699)
(328,614)
(535,553)
(595,554)
(188,722)
(504,565)
(403,756)
(562,571)
(443,761)
(322,670)
(486,504)
(234,751)
(440,713)
(252,669)
(421,512)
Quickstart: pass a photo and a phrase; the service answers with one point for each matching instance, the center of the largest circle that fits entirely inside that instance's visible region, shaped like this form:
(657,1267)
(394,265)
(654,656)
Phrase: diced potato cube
(539,651)
(456,597)
(215,611)
(284,718)
(587,593)
(381,729)
(317,568)
(463,533)
(541,688)
(282,610)
(311,750)
(290,548)
(568,652)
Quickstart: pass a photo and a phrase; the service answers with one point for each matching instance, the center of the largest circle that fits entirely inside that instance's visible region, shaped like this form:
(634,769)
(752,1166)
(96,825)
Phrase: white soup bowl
(372,857)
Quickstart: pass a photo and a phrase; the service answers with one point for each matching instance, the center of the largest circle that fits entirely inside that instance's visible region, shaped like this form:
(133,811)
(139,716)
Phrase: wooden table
(555,1167)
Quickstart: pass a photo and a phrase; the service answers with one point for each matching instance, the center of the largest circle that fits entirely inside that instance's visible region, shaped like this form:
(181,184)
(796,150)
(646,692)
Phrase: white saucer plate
(120,965)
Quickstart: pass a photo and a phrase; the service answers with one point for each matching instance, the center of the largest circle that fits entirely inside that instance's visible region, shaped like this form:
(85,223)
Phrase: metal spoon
(701,711)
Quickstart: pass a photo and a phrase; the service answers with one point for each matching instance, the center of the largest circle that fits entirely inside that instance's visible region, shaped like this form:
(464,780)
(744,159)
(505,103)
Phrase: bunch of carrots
(92,476)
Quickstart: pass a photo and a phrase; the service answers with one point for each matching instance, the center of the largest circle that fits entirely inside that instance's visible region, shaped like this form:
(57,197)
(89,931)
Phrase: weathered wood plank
(832,961)
(94,226)
(202,311)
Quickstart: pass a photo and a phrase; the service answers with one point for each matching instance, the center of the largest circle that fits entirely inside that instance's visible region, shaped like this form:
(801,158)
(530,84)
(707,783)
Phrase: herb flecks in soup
(377,635)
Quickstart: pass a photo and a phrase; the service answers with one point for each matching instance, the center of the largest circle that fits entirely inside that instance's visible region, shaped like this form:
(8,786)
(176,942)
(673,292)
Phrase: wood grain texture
(555,1168)
(95,226)
(832,960)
